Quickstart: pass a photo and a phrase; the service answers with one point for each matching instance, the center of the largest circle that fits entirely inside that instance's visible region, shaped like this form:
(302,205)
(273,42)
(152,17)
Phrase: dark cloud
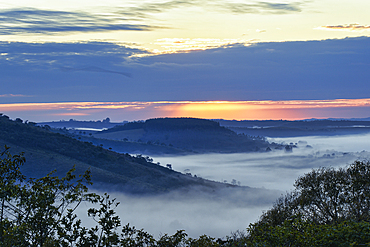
(257,7)
(30,20)
(263,7)
(329,69)
(68,55)
(94,69)
(353,27)
(16,21)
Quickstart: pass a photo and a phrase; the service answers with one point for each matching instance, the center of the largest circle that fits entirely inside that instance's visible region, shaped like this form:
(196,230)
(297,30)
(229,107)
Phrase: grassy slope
(46,151)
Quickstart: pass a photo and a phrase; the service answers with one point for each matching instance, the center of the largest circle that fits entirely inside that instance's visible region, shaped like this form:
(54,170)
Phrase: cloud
(39,21)
(143,9)
(242,110)
(173,45)
(348,27)
(329,69)
(70,56)
(15,21)
(260,7)
(263,8)
(13,95)
(94,69)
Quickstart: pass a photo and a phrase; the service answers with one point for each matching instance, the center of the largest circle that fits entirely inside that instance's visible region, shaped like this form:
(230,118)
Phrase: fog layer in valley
(217,216)
(158,215)
(276,169)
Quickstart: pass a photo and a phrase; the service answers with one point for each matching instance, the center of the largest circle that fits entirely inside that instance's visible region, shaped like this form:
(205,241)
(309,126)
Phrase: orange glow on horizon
(238,110)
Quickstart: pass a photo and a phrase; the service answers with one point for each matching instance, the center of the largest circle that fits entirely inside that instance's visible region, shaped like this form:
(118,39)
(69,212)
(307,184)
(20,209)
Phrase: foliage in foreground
(42,212)
(328,208)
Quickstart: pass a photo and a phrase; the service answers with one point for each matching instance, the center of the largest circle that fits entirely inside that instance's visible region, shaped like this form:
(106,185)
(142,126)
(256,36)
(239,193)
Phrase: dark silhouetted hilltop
(186,134)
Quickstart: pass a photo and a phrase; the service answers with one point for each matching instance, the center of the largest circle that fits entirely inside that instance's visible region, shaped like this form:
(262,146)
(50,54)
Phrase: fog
(277,169)
(217,216)
(343,143)
(159,215)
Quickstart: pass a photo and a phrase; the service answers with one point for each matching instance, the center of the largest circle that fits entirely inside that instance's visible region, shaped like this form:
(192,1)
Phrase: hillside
(181,134)
(284,128)
(46,151)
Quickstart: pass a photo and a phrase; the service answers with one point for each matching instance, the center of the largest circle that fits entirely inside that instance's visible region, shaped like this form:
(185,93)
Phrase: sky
(131,60)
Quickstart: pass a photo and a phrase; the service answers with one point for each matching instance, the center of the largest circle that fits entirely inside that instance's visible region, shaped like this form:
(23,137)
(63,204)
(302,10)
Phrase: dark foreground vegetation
(328,208)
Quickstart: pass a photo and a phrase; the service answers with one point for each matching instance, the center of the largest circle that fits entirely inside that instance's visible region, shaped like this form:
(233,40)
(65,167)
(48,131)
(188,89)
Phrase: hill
(284,128)
(46,151)
(181,135)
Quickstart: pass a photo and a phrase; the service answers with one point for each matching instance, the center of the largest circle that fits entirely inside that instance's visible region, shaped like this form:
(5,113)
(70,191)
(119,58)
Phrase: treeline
(329,207)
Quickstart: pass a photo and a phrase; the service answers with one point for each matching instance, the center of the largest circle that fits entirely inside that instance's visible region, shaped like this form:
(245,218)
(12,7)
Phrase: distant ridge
(310,127)
(338,119)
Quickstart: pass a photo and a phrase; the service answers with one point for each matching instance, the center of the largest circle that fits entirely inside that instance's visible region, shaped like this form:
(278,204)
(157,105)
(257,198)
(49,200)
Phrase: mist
(269,174)
(276,169)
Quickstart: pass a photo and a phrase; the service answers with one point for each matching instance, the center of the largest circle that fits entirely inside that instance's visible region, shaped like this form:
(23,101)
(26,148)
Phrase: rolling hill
(45,151)
(176,136)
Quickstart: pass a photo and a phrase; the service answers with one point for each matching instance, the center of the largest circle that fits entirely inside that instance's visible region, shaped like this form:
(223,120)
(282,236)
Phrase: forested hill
(46,151)
(191,134)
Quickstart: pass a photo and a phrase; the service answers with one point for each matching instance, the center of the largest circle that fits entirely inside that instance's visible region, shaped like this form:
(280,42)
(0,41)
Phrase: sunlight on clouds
(172,45)
(239,110)
(71,114)
(355,27)
(196,24)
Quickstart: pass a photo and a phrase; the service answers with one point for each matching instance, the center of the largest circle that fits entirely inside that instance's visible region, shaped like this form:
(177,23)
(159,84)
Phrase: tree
(10,177)
(329,207)
(40,212)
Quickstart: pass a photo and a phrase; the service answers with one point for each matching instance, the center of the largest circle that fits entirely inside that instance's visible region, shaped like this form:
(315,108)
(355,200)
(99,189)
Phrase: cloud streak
(13,95)
(262,8)
(173,45)
(16,21)
(39,21)
(143,10)
(348,27)
(202,109)
(68,56)
(94,69)
(258,7)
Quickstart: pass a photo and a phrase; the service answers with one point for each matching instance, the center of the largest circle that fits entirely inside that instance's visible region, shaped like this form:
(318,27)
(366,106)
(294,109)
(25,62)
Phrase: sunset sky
(131,60)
